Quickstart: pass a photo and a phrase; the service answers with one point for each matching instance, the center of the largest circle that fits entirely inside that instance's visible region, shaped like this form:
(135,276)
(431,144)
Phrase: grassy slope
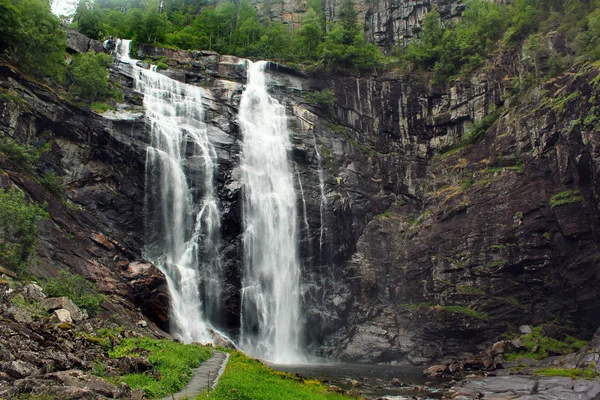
(173,360)
(247,379)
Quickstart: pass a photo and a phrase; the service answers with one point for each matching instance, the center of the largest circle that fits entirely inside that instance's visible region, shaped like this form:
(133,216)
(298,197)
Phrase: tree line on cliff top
(31,37)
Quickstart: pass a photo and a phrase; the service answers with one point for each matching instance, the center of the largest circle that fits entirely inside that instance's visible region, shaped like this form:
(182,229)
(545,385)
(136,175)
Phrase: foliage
(470,290)
(459,47)
(101,107)
(538,346)
(81,291)
(18,231)
(31,37)
(54,183)
(453,49)
(174,361)
(161,65)
(324,99)
(234,28)
(89,78)
(23,155)
(469,312)
(477,130)
(247,378)
(575,373)
(566,197)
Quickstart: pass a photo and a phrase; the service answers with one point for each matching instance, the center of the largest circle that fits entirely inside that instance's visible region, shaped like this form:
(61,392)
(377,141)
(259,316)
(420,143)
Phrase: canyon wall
(416,244)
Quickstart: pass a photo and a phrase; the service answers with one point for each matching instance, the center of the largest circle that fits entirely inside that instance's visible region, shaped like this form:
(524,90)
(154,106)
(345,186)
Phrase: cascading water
(182,210)
(271,318)
(323,203)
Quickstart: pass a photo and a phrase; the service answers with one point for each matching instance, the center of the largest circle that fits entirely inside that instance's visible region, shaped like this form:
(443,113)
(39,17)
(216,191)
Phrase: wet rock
(534,388)
(396,382)
(435,370)
(335,389)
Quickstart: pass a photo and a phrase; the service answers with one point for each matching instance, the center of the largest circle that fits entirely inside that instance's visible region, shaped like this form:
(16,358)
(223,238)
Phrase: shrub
(566,197)
(89,77)
(81,291)
(23,155)
(53,182)
(18,231)
(477,130)
(161,65)
(324,99)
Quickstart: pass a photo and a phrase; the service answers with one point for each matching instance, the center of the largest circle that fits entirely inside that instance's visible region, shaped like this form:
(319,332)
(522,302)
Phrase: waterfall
(181,206)
(323,203)
(271,318)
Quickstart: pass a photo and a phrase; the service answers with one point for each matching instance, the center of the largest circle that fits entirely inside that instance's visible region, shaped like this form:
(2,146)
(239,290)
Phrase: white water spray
(182,210)
(271,320)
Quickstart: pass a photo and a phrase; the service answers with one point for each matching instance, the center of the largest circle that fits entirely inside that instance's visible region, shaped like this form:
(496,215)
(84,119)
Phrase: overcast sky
(64,7)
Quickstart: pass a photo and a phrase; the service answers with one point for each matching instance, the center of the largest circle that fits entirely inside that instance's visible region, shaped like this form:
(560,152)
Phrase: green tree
(88,19)
(32,38)
(309,36)
(18,231)
(88,76)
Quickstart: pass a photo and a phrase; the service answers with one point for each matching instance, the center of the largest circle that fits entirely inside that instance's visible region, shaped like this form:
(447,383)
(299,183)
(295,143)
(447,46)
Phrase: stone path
(206,375)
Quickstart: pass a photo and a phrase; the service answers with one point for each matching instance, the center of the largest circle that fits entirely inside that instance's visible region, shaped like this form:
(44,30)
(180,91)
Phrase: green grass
(101,108)
(247,379)
(576,373)
(566,197)
(470,290)
(469,312)
(8,95)
(174,361)
(546,346)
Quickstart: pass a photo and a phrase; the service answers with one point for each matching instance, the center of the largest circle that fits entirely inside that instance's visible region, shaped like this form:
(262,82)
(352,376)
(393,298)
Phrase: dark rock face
(79,43)
(409,251)
(97,229)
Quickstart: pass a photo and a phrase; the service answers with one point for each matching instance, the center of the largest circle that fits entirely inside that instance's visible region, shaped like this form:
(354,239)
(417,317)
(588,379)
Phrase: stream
(394,382)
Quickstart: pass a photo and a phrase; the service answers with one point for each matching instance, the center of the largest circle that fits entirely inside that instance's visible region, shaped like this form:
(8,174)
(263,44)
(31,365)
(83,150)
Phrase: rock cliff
(434,218)
(417,243)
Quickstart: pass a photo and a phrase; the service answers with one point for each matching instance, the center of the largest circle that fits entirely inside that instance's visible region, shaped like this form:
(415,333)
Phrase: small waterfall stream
(271,318)
(181,207)
(323,202)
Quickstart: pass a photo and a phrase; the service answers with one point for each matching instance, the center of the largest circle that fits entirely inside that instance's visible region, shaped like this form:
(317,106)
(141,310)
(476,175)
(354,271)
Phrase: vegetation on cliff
(486,27)
(18,231)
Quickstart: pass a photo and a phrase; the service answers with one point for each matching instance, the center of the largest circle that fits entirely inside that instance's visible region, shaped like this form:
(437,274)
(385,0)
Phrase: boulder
(435,370)
(19,315)
(18,369)
(131,365)
(34,292)
(54,303)
(61,316)
(79,379)
(525,329)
